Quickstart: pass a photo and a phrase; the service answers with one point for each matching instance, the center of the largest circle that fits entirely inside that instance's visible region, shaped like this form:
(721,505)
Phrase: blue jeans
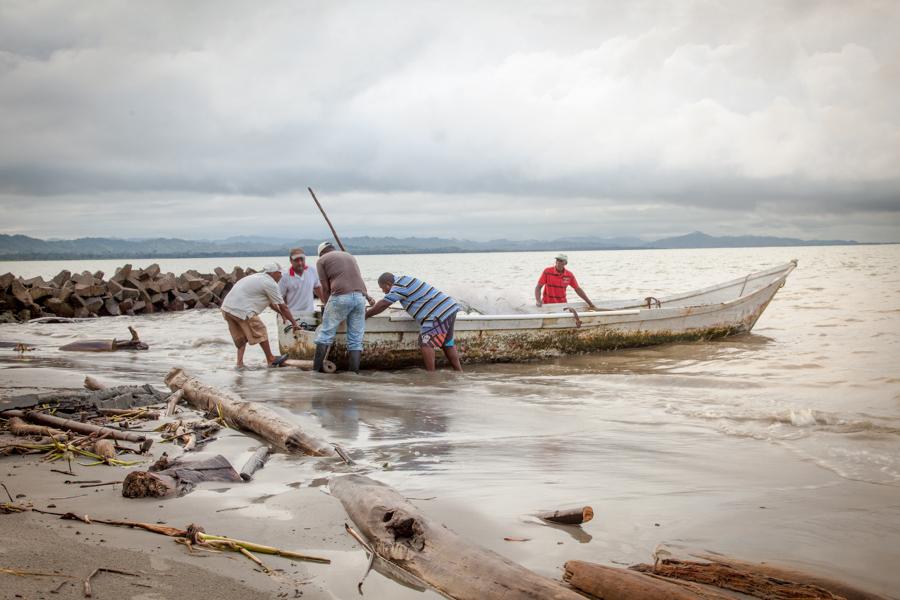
(350,307)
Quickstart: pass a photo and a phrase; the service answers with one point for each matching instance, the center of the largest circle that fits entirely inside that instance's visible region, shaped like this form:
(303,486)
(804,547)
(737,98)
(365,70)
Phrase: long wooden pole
(327,220)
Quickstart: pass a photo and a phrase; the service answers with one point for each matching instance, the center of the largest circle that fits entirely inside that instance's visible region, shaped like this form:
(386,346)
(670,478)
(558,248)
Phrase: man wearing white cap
(554,280)
(299,284)
(344,294)
(242,305)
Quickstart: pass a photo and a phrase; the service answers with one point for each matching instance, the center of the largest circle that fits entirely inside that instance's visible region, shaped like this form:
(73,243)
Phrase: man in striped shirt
(433,310)
(555,280)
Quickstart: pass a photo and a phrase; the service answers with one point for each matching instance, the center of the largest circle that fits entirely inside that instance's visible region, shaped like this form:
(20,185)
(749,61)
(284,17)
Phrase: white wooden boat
(391,338)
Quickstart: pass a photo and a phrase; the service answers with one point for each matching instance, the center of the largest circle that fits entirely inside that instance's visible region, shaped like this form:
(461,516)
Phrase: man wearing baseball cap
(299,284)
(555,280)
(242,305)
(344,293)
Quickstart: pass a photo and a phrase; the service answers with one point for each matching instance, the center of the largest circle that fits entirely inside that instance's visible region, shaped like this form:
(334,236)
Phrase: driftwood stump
(402,535)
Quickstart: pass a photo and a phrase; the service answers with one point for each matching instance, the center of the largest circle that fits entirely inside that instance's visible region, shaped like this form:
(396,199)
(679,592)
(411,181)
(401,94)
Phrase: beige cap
(562,257)
(272,268)
(295,252)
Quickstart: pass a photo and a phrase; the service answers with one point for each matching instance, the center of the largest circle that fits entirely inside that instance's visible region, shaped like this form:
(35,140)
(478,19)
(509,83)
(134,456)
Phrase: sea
(780,445)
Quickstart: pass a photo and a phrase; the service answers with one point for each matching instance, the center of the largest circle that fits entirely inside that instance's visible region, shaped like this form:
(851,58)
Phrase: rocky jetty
(128,292)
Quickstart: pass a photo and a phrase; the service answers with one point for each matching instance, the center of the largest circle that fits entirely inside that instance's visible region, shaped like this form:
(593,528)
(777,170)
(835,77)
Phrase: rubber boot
(354,360)
(319,359)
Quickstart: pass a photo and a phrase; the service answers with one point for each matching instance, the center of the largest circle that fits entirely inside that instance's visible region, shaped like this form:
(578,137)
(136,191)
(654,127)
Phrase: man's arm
(317,292)
(537,294)
(324,288)
(285,312)
(584,297)
(378,308)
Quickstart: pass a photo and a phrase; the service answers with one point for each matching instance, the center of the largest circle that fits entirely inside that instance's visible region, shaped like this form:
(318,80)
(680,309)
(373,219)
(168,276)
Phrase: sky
(476,120)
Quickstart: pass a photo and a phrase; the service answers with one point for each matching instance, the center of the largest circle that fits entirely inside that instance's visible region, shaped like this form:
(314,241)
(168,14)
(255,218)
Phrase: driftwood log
(307,365)
(613,583)
(255,463)
(569,516)
(19,427)
(79,427)
(401,535)
(112,345)
(250,416)
(756,579)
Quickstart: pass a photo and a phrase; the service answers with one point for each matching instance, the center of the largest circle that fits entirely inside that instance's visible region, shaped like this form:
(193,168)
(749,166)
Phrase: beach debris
(516,539)
(568,516)
(172,401)
(112,345)
(21,573)
(193,536)
(398,533)
(307,365)
(255,463)
(616,583)
(178,478)
(19,427)
(87,582)
(93,384)
(77,426)
(249,416)
(760,580)
(189,433)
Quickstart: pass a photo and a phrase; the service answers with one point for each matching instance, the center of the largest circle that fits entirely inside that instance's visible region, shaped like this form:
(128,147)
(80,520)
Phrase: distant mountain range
(21,247)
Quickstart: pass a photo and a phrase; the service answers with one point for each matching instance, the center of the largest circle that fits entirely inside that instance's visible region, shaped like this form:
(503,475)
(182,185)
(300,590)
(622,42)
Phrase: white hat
(272,268)
(324,245)
(562,257)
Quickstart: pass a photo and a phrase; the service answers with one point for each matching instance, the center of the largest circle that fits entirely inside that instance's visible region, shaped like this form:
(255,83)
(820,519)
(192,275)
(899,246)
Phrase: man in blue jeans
(344,294)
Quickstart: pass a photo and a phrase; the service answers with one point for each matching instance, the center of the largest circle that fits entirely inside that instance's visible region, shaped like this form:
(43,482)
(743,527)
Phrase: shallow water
(781,445)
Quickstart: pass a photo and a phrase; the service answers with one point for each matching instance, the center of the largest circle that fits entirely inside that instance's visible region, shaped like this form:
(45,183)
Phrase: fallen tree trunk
(570,516)
(454,567)
(250,416)
(755,579)
(612,583)
(78,426)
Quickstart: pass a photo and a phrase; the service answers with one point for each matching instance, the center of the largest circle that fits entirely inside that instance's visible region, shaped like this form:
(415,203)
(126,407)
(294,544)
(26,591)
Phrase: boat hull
(391,341)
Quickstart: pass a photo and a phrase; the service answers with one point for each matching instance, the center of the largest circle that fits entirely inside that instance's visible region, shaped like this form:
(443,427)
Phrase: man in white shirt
(242,305)
(299,284)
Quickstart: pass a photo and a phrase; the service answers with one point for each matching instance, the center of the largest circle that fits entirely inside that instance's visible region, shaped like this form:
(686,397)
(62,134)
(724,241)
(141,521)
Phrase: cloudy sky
(463,119)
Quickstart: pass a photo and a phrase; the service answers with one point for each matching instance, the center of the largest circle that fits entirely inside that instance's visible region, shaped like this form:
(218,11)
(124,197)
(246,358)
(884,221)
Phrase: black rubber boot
(354,360)
(319,359)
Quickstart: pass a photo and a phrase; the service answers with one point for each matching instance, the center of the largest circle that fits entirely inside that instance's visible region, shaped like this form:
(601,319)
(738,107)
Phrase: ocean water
(779,445)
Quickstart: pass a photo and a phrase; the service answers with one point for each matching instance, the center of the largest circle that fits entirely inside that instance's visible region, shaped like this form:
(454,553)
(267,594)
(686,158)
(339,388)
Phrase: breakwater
(128,291)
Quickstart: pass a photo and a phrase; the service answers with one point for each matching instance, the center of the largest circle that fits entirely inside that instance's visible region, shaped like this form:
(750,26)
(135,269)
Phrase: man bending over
(433,310)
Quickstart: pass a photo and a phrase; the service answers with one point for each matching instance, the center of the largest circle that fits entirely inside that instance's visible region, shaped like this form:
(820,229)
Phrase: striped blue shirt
(421,300)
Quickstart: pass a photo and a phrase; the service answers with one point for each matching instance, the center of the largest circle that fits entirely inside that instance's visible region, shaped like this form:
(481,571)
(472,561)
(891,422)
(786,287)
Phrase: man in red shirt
(555,280)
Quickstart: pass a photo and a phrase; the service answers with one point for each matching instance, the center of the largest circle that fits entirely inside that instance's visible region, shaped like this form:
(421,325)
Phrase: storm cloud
(465,119)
